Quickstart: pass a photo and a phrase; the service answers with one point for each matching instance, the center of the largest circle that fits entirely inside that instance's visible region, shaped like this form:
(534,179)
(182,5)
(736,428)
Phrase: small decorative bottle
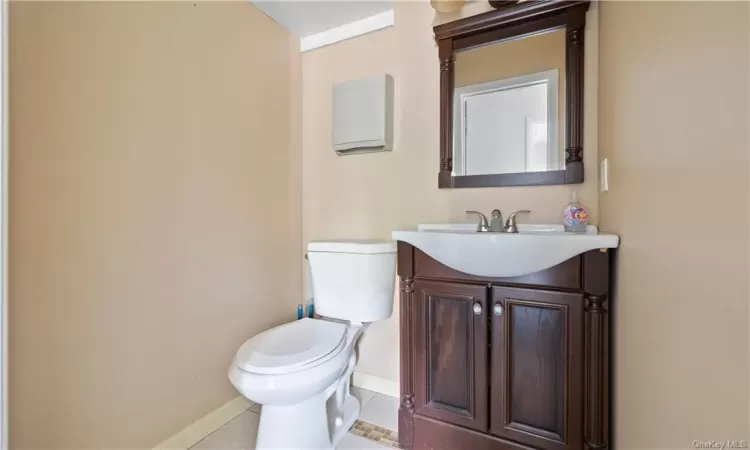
(575,216)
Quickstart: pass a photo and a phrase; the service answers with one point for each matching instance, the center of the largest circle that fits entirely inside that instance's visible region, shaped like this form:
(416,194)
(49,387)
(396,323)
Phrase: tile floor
(239,433)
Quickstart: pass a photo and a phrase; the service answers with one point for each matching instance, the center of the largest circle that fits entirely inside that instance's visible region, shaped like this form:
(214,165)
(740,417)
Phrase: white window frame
(461,95)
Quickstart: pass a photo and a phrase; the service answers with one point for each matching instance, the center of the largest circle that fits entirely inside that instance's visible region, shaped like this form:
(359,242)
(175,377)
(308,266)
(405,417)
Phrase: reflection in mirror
(508,106)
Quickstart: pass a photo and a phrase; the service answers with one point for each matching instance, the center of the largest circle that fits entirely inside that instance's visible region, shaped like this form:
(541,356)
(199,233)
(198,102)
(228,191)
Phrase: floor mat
(375,433)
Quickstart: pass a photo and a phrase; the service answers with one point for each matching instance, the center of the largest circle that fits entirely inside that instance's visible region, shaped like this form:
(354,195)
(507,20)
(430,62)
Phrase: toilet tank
(353,279)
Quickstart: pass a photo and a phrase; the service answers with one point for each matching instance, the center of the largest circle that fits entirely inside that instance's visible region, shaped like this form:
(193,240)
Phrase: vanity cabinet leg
(596,342)
(406,343)
(406,410)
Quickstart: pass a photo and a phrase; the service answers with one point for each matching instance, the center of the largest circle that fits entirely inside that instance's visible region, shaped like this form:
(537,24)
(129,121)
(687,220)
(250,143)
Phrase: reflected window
(507,126)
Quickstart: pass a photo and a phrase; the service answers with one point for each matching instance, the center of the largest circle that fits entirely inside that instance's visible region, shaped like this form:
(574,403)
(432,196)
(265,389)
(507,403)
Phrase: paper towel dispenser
(363,115)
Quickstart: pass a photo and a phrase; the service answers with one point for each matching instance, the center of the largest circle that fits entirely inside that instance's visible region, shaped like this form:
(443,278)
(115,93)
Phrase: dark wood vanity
(508,363)
(504,363)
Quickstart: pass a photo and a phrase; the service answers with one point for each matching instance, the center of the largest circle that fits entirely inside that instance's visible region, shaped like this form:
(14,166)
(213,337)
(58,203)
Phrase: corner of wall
(297,263)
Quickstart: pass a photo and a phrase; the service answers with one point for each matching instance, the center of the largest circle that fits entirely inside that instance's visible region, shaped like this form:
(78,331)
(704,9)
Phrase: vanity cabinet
(537,366)
(451,353)
(493,363)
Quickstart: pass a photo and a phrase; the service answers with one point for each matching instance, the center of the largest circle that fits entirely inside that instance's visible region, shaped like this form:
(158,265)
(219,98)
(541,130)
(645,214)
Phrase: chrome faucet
(497,225)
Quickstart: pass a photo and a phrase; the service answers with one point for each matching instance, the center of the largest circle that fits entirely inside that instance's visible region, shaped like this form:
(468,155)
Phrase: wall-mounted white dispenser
(363,115)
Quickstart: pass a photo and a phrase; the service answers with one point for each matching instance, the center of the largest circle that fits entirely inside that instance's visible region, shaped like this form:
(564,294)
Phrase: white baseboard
(214,420)
(206,425)
(376,384)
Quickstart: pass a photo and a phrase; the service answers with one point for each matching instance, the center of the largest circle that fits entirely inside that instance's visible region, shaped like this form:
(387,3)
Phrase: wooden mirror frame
(514,20)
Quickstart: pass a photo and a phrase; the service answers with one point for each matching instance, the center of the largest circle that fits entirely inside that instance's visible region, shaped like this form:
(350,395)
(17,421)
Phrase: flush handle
(497,309)
(477,309)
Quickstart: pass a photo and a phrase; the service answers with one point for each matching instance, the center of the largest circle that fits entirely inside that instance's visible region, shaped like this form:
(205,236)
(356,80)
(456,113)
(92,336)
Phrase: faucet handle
(483,225)
(510,224)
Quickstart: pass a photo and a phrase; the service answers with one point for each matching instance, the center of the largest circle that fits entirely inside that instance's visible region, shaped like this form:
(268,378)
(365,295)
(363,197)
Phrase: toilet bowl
(293,371)
(300,371)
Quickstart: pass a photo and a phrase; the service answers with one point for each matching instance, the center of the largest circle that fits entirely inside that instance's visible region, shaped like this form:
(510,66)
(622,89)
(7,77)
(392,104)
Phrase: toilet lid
(291,347)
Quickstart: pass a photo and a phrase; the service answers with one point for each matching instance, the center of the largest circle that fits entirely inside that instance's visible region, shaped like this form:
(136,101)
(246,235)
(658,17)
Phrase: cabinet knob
(477,309)
(497,309)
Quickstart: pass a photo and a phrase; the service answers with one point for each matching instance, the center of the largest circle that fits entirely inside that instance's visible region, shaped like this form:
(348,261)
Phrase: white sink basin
(534,248)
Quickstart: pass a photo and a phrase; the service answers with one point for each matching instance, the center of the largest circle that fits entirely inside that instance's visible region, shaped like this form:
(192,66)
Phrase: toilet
(300,371)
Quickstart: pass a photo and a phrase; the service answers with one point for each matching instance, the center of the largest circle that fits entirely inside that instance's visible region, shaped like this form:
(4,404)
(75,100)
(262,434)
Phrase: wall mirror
(511,109)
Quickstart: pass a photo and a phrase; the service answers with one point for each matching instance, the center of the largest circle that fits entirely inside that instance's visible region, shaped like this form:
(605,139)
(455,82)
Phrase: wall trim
(376,384)
(198,430)
(379,21)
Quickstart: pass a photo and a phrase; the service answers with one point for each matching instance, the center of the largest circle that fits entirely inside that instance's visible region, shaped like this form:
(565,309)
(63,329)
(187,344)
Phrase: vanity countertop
(534,248)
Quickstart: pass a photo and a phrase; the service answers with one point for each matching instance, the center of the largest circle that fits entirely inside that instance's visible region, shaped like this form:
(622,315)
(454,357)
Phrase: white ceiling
(307,17)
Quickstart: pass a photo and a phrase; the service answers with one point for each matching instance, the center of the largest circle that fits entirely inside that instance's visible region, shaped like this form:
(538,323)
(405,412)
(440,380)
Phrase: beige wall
(674,125)
(370,195)
(153,212)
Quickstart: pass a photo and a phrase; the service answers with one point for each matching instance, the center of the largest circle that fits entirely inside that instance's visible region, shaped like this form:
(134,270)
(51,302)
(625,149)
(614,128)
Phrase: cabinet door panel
(451,354)
(537,367)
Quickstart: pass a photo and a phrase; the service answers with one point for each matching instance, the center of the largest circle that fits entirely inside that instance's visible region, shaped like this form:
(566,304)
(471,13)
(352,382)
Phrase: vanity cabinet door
(537,367)
(451,353)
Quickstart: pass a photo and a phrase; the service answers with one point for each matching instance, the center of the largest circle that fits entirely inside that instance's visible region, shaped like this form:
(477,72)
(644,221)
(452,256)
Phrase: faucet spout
(497,221)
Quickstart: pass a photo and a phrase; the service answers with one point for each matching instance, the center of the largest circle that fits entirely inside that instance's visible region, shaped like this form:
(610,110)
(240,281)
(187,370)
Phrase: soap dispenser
(575,216)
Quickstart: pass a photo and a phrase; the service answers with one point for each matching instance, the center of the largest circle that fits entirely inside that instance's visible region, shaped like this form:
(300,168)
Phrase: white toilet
(300,371)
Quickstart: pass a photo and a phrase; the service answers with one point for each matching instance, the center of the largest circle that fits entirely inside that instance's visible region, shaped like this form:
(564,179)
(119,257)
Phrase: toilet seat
(292,347)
